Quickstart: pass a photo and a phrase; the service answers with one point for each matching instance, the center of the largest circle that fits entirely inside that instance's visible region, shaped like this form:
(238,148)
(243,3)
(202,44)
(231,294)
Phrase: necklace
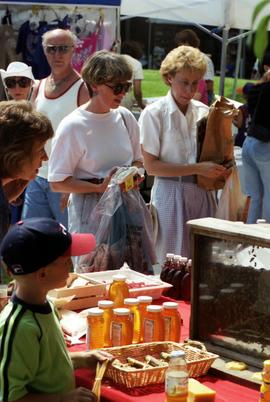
(55,85)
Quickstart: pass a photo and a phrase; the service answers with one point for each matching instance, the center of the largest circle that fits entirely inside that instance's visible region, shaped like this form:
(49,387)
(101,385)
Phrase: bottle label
(117,333)
(131,315)
(148,330)
(176,387)
(167,328)
(88,337)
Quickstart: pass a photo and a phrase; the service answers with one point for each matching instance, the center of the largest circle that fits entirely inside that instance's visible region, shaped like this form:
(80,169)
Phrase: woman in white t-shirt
(168,138)
(95,138)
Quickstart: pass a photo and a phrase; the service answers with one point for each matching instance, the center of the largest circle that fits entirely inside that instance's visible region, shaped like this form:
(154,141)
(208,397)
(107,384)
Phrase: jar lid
(119,277)
(184,259)
(177,353)
(121,311)
(206,298)
(236,285)
(169,255)
(105,303)
(145,299)
(132,301)
(170,305)
(154,308)
(177,257)
(95,311)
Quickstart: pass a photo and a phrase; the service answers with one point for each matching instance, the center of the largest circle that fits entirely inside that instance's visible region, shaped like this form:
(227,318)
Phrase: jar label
(176,387)
(148,330)
(117,329)
(167,328)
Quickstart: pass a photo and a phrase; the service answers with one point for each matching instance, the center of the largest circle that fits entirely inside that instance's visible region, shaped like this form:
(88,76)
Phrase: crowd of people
(61,139)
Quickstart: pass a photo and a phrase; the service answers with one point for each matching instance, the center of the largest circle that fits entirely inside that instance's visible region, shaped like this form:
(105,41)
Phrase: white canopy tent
(226,14)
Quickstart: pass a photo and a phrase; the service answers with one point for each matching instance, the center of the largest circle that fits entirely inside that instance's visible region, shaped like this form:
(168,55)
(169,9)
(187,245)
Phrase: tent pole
(237,64)
(225,35)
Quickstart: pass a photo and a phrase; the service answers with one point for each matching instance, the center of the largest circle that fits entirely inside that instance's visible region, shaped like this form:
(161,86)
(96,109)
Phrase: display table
(227,391)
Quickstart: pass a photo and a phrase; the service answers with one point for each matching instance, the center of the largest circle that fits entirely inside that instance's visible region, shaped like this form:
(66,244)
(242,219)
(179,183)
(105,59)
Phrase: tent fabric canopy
(112,3)
(234,13)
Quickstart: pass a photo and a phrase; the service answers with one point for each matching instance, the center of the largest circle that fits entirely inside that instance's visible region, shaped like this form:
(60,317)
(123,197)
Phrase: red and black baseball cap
(36,242)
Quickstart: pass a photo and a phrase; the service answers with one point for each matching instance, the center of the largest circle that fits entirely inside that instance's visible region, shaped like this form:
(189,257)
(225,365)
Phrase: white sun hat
(17,69)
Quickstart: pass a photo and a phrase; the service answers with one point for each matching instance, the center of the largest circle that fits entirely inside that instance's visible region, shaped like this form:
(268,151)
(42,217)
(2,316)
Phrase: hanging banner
(102,3)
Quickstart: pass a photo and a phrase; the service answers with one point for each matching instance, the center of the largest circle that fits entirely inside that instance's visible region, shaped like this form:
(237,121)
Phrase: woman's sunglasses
(62,49)
(23,82)
(119,88)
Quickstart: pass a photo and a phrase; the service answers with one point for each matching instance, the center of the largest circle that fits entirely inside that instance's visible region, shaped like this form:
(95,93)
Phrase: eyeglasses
(62,49)
(192,86)
(118,88)
(23,82)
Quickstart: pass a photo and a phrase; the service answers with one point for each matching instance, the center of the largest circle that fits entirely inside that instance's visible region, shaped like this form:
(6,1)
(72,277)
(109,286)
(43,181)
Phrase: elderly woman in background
(168,138)
(95,138)
(18,81)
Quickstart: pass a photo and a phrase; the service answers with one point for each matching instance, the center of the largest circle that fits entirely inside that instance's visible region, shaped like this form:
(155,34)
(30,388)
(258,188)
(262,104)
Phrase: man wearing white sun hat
(18,81)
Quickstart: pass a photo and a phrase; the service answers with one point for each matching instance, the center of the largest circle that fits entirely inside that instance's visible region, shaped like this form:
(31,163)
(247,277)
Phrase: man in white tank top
(56,96)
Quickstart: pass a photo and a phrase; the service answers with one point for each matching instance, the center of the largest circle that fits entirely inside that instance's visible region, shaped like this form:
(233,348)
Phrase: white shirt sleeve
(66,153)
(210,70)
(150,130)
(134,133)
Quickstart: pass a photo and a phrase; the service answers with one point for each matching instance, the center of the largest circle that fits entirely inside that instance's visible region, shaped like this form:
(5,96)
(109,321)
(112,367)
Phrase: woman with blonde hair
(169,145)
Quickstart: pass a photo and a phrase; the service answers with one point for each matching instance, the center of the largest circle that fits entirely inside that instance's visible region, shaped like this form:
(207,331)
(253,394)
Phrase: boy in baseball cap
(35,363)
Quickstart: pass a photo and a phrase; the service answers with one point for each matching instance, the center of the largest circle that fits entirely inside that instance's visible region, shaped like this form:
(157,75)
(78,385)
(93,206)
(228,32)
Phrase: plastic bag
(232,202)
(122,226)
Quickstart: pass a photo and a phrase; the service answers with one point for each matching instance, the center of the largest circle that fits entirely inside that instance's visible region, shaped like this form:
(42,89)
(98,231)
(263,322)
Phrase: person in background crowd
(18,81)
(132,52)
(56,96)
(35,363)
(242,120)
(256,151)
(168,138)
(190,38)
(23,133)
(95,138)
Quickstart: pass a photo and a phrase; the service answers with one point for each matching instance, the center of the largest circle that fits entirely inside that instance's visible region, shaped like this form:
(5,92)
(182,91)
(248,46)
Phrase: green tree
(261,31)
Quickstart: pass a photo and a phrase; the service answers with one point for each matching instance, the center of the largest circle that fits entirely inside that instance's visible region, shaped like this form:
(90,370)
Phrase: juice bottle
(172,321)
(176,378)
(144,301)
(153,324)
(265,387)
(133,305)
(168,263)
(121,327)
(118,290)
(107,306)
(95,328)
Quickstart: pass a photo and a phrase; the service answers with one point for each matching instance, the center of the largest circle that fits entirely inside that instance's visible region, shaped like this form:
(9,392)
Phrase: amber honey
(121,327)
(118,290)
(133,305)
(153,324)
(172,321)
(95,328)
(144,301)
(107,307)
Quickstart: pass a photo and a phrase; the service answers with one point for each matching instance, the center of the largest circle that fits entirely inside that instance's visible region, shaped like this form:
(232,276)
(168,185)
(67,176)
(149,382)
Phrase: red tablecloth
(227,391)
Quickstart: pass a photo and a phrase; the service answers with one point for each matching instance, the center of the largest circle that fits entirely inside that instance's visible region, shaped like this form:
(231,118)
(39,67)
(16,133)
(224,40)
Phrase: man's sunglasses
(23,82)
(119,88)
(62,49)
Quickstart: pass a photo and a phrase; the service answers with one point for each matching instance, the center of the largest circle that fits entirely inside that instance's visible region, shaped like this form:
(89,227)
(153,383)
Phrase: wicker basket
(198,361)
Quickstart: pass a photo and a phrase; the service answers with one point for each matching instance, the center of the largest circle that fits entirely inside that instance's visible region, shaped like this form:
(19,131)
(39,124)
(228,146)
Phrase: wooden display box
(85,296)
(230,295)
